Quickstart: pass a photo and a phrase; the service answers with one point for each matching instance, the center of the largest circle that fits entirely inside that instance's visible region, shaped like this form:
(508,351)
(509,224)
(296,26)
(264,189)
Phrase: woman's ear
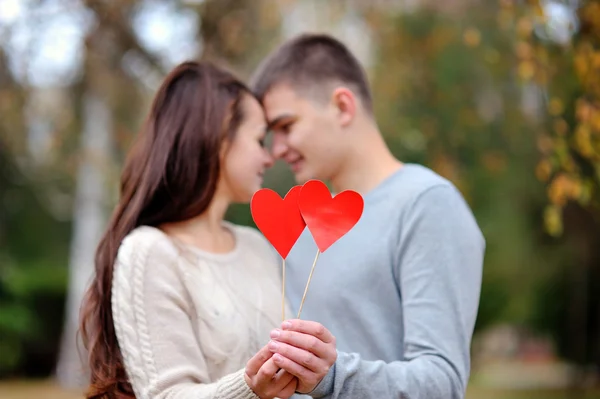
(225,145)
(344,102)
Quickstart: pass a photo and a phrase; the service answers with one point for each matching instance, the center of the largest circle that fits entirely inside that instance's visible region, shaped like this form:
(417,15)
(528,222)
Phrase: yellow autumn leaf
(555,106)
(596,60)
(558,189)
(583,110)
(526,70)
(583,141)
(575,189)
(553,220)
(523,50)
(565,187)
(595,121)
(524,27)
(543,170)
(472,37)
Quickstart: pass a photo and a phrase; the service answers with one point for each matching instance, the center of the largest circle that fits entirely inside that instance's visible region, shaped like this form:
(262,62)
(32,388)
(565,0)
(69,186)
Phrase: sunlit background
(501,97)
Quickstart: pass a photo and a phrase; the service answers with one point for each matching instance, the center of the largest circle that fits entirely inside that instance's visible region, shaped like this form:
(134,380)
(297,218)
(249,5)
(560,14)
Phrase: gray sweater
(400,291)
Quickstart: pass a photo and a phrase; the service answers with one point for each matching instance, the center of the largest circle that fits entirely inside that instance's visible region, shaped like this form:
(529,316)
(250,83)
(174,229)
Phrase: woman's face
(245,158)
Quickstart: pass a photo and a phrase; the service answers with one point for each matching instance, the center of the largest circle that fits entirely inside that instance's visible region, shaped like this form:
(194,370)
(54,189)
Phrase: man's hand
(266,379)
(305,349)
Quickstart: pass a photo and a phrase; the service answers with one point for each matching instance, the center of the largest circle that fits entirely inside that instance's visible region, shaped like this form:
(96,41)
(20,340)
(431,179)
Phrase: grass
(47,389)
(30,389)
(481,393)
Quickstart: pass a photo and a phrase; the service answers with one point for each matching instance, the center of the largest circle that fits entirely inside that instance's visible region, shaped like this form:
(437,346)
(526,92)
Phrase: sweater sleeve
(153,324)
(438,270)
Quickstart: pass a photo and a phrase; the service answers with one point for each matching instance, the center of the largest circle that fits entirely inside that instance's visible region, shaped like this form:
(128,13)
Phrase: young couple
(185,304)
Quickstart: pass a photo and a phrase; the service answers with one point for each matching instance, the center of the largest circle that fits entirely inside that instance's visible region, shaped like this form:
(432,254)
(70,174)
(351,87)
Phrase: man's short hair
(310,64)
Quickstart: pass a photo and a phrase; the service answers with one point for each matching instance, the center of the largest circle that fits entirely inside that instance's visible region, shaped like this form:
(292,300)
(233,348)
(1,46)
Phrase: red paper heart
(278,219)
(327,218)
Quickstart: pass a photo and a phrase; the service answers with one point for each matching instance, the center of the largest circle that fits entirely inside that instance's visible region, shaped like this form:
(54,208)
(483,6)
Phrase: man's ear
(345,104)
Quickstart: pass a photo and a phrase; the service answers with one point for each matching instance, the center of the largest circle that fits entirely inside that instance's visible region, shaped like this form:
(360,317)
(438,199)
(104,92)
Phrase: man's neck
(369,164)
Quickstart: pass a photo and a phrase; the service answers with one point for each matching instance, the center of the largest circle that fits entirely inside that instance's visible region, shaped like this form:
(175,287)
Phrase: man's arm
(439,268)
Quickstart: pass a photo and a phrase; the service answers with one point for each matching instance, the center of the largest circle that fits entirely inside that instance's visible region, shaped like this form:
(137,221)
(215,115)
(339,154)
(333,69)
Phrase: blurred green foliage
(33,275)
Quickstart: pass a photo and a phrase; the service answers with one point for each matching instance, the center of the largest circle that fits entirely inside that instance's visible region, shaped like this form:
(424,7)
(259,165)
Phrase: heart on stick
(329,218)
(278,219)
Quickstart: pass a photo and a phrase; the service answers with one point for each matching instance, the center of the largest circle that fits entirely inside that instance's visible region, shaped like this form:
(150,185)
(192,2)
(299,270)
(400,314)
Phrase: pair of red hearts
(328,218)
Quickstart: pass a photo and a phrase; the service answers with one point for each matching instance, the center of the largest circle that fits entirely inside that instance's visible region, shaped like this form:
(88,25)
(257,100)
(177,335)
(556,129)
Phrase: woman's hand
(266,379)
(305,349)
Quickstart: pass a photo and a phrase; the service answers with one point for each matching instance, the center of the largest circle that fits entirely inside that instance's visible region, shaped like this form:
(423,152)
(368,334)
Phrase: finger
(282,379)
(307,376)
(303,341)
(256,362)
(299,356)
(290,388)
(266,373)
(309,327)
(270,379)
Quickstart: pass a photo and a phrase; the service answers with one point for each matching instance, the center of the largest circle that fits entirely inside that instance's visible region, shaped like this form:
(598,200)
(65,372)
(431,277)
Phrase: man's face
(305,133)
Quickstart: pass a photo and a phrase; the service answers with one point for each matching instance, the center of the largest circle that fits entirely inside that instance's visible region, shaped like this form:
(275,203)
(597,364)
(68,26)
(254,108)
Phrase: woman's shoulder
(147,263)
(146,242)
(145,232)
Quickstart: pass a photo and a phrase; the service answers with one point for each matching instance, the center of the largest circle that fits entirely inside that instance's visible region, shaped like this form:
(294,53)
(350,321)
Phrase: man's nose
(268,159)
(279,146)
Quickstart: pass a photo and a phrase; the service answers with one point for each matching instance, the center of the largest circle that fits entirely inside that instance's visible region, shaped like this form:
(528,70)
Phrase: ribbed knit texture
(186,320)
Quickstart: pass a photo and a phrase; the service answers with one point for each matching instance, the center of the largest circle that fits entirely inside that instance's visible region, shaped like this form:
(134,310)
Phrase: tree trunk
(88,223)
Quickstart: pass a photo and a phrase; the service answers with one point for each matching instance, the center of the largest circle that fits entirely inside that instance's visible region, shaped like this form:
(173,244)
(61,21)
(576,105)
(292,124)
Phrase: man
(400,291)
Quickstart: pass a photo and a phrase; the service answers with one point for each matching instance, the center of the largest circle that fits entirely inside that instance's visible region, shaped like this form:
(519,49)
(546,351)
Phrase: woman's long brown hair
(170,175)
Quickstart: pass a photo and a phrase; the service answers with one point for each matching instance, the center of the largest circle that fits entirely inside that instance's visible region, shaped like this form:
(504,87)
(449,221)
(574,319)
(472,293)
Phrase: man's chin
(301,178)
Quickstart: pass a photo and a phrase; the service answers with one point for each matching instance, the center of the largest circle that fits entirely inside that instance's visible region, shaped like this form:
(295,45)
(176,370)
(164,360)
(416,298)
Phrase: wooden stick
(308,283)
(283,291)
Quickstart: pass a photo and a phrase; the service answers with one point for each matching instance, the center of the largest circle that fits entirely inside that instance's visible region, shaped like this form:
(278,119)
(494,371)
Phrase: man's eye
(285,128)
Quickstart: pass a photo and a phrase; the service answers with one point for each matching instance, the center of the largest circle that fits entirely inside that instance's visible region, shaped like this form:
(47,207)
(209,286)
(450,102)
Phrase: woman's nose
(279,146)
(269,160)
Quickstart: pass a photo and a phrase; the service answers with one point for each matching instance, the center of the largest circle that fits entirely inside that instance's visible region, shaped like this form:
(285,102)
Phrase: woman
(182,299)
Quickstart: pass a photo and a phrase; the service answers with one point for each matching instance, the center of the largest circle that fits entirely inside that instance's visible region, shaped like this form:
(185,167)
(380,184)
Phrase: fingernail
(275,333)
(273,345)
(277,358)
(286,325)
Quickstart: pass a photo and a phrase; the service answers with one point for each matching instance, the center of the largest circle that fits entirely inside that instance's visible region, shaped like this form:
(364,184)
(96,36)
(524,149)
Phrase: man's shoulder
(435,201)
(410,182)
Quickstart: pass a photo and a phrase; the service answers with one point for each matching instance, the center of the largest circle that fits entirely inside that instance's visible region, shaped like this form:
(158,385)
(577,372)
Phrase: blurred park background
(500,96)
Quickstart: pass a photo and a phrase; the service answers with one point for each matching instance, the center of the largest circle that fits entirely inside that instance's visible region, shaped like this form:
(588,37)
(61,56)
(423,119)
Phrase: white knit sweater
(186,320)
